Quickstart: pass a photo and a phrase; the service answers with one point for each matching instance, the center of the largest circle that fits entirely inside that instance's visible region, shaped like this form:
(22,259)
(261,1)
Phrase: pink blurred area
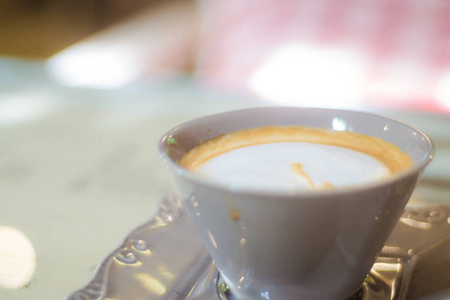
(347,53)
(387,54)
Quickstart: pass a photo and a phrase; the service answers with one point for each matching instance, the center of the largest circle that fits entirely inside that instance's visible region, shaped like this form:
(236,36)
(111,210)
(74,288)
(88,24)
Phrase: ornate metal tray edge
(165,259)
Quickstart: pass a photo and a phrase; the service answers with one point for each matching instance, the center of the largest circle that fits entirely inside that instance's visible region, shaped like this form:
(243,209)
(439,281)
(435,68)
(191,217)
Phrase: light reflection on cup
(296,245)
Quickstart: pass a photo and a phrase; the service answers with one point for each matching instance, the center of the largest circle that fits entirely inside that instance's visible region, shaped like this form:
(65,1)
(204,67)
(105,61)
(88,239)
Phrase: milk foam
(292,166)
(295,157)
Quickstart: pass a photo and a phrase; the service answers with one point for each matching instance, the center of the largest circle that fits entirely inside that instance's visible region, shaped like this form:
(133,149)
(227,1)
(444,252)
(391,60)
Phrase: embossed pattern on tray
(165,259)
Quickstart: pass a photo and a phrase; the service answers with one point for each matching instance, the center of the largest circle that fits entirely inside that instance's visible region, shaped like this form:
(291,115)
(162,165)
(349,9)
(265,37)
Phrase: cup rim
(415,169)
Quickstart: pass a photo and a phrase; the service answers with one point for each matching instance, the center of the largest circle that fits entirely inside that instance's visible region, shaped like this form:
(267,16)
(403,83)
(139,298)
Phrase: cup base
(374,287)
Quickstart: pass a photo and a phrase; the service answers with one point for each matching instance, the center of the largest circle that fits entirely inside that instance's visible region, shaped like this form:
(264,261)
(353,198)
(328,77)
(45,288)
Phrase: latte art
(280,158)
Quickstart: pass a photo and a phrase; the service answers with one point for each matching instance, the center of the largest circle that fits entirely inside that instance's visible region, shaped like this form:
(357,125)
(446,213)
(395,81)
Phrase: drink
(267,236)
(295,157)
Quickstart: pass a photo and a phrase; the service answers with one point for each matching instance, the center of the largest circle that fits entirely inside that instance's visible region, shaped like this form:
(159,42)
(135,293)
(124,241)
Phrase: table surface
(79,168)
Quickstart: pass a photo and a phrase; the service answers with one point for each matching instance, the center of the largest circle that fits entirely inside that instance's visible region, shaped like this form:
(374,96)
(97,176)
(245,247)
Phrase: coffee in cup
(295,157)
(304,240)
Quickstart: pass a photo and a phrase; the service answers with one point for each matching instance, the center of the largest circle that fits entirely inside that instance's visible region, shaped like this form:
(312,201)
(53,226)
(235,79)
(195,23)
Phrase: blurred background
(329,53)
(37,29)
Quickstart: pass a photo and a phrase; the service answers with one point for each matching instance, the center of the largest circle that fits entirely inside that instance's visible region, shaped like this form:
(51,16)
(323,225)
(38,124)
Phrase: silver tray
(165,259)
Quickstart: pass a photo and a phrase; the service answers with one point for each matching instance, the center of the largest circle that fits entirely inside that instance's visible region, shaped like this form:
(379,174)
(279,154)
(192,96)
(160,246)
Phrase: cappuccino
(273,204)
(295,157)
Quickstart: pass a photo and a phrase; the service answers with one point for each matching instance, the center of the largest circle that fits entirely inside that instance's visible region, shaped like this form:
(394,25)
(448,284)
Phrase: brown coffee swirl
(387,153)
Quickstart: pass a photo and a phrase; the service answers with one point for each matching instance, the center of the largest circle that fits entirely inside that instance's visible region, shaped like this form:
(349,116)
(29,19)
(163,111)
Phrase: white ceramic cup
(295,245)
